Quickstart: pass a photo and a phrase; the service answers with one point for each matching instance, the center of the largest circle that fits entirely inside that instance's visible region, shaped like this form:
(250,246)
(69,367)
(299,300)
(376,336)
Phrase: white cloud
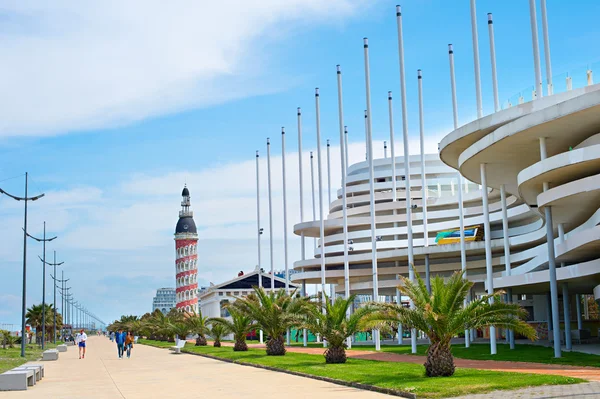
(81,65)
(105,235)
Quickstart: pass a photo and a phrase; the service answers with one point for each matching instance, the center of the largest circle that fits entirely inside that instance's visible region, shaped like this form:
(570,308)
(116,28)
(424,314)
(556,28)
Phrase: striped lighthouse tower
(186,259)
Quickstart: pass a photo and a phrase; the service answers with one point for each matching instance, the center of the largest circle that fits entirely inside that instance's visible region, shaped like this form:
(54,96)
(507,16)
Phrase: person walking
(120,340)
(112,336)
(81,340)
(129,343)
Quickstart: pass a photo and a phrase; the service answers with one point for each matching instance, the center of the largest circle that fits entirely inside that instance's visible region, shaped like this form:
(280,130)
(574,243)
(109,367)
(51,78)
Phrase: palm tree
(160,326)
(335,325)
(217,331)
(442,316)
(7,339)
(180,329)
(198,324)
(274,313)
(34,318)
(240,325)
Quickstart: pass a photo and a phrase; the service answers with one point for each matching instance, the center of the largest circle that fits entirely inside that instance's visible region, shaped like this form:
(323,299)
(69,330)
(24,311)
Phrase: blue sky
(111,109)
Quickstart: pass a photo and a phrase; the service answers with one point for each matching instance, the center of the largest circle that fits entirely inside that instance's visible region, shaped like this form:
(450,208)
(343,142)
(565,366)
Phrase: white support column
(551,262)
(302,238)
(507,264)
(343,168)
(488,250)
(578,309)
(476,60)
(270,214)
(371,186)
(493,60)
(536,50)
(567,314)
(411,260)
(547,49)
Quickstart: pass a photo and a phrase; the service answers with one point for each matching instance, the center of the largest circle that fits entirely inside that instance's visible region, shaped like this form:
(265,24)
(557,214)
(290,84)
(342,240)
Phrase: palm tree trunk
(276,346)
(440,362)
(335,355)
(240,345)
(217,343)
(201,340)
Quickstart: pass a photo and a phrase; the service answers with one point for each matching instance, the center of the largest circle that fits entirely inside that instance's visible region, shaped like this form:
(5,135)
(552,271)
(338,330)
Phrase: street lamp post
(24,306)
(62,281)
(64,296)
(54,264)
(43,240)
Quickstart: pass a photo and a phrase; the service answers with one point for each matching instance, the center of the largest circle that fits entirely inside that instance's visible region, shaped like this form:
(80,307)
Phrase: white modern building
(164,300)
(214,299)
(524,180)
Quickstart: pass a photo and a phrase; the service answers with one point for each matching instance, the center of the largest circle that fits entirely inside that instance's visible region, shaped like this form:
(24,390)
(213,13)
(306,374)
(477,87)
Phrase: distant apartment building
(164,300)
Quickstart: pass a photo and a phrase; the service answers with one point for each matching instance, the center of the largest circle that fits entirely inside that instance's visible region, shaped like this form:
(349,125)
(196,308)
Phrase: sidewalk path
(159,373)
(587,373)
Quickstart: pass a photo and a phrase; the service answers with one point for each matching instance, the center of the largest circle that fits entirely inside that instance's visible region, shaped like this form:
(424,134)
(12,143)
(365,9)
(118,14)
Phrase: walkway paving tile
(159,373)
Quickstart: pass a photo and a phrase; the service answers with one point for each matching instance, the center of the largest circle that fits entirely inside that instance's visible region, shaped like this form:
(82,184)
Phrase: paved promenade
(158,373)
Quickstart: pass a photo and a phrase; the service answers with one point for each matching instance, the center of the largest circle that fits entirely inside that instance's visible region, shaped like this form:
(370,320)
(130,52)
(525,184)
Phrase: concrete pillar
(511,333)
(551,261)
(567,312)
(427,274)
(578,308)
(488,250)
(549,313)
(553,283)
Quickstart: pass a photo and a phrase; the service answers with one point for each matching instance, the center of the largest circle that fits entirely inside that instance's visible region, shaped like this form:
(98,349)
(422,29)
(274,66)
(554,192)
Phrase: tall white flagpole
(331,286)
(258,230)
(321,207)
(314,206)
(411,259)
(270,213)
(476,59)
(371,185)
(424,195)
(285,236)
(366,136)
(328,174)
(344,199)
(394,194)
(346,147)
(302,238)
(463,251)
(536,50)
(493,61)
(547,49)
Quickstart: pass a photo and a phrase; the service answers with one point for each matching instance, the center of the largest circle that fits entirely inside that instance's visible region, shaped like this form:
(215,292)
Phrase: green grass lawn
(11,357)
(400,376)
(522,353)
